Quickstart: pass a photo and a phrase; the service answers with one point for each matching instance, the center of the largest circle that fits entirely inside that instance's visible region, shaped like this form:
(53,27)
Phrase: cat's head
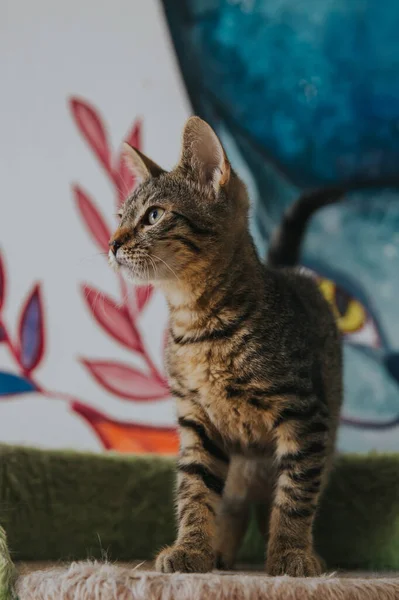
(183,222)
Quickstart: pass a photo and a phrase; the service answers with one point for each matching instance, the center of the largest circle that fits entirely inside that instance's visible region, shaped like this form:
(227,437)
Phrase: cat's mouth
(112,261)
(134,273)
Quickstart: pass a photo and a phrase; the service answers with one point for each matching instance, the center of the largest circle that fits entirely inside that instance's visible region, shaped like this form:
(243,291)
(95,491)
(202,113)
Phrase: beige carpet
(107,581)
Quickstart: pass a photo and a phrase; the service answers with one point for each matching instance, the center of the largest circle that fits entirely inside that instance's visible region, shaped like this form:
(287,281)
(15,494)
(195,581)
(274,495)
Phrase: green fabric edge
(70,505)
(7,570)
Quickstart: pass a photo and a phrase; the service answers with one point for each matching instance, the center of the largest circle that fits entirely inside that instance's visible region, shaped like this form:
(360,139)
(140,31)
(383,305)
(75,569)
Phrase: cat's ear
(140,165)
(203,154)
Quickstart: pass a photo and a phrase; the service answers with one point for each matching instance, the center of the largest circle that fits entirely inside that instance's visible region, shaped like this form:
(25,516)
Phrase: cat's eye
(153,215)
(119,215)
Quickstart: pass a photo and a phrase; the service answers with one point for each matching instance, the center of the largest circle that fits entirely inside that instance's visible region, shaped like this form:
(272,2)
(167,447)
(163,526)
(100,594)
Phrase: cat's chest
(201,374)
(197,367)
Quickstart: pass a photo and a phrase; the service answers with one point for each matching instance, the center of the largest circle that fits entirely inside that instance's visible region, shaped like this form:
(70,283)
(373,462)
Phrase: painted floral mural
(118,318)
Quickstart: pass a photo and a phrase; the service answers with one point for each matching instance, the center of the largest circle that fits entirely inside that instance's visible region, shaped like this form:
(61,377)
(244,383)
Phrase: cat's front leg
(202,470)
(302,436)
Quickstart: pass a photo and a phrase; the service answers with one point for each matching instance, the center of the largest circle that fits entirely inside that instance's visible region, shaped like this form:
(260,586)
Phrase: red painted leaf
(125,381)
(143,295)
(129,437)
(92,217)
(2,282)
(123,176)
(113,318)
(31,331)
(91,127)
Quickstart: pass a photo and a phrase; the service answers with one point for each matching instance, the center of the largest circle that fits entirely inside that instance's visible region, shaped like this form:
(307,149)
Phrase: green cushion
(70,505)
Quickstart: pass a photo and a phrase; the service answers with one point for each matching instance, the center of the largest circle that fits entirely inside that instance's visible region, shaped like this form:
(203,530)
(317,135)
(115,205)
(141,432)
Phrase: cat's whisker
(166,265)
(148,281)
(97,299)
(153,266)
(123,300)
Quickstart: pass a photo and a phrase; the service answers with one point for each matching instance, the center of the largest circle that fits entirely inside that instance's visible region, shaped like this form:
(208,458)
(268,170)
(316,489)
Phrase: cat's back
(310,326)
(301,301)
(330,341)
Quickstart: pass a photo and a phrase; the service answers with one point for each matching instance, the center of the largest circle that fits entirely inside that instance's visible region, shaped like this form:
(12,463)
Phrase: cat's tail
(286,242)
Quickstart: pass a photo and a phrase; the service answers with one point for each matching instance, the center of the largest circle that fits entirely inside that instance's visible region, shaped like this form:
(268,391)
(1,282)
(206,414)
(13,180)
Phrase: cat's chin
(113,263)
(132,277)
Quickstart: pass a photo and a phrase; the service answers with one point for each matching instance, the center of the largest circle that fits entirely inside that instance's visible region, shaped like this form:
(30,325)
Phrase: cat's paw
(296,563)
(185,560)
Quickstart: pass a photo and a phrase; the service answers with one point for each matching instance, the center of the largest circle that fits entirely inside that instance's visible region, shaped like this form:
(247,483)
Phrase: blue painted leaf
(11,385)
(31,332)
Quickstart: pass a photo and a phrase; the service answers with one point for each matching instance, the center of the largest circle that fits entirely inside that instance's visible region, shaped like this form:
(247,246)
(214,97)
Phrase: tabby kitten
(254,358)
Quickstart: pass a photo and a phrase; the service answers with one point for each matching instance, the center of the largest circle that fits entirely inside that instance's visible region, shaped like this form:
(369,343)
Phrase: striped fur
(253,358)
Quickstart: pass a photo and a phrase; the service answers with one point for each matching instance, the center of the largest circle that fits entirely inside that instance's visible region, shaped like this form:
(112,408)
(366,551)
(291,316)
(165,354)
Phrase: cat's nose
(120,236)
(114,245)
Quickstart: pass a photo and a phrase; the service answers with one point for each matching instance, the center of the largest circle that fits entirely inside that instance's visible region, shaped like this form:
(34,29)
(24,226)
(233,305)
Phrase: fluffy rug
(105,581)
